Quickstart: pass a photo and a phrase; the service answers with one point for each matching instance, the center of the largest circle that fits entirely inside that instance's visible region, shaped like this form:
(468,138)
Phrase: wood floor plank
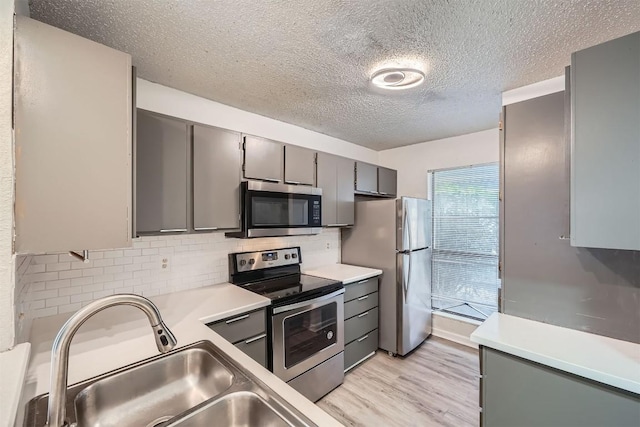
(436,385)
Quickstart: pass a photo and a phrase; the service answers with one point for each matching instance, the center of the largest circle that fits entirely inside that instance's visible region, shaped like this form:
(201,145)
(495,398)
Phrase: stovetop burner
(275,274)
(292,286)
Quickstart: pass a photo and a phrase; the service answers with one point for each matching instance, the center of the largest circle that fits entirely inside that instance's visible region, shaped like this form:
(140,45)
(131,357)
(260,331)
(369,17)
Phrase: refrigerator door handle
(405,283)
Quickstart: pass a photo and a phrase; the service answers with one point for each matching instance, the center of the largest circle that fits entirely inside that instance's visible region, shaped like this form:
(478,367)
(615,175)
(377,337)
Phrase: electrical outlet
(328,245)
(164,262)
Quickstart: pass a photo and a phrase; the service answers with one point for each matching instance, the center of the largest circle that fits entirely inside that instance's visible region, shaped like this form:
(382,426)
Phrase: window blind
(465,239)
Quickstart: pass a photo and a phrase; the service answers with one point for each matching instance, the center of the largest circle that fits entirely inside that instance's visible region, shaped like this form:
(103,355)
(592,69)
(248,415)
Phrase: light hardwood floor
(436,385)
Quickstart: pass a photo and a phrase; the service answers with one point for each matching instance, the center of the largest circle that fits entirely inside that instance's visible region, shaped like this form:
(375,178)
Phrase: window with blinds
(465,240)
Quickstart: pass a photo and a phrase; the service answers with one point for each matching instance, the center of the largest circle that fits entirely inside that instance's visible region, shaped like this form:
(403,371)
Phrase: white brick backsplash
(57,283)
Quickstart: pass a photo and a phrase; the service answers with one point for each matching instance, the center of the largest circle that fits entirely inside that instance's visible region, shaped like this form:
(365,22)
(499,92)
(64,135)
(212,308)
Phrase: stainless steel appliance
(270,209)
(395,236)
(305,319)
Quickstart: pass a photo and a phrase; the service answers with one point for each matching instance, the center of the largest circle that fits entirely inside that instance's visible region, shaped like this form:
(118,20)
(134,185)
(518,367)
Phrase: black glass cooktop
(293,287)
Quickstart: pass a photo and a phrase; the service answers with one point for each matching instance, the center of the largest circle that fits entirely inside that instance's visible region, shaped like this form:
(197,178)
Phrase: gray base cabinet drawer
(360,348)
(359,325)
(358,289)
(256,348)
(241,327)
(360,305)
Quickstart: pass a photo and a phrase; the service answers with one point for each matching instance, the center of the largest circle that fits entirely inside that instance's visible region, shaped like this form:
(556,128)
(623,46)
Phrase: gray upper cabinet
(366,178)
(387,181)
(299,165)
(345,214)
(73,141)
(605,181)
(328,181)
(216,178)
(335,177)
(161,174)
(375,180)
(262,159)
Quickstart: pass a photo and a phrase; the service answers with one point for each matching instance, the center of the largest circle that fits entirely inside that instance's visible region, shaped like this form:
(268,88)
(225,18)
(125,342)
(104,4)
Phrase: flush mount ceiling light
(397,78)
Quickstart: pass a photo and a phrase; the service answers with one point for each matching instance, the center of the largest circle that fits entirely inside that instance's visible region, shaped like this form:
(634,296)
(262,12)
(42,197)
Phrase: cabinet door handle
(254,339)
(363,314)
(363,298)
(174,230)
(270,179)
(337,225)
(205,228)
(228,322)
(363,338)
(293,182)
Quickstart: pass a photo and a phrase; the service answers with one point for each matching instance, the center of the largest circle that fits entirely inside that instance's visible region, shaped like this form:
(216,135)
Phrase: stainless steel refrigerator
(395,236)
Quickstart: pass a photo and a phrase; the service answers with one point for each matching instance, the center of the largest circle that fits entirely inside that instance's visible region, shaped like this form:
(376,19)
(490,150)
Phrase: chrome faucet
(165,340)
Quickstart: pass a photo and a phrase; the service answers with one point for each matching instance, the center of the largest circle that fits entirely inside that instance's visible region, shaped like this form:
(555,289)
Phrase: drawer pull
(254,339)
(363,314)
(173,230)
(363,298)
(363,338)
(362,281)
(246,316)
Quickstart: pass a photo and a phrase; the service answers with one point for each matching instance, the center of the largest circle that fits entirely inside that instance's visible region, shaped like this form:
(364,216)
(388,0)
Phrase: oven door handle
(297,305)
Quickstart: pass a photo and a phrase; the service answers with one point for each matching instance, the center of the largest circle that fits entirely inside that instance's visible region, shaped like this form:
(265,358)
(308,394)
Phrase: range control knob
(329,335)
(286,256)
(294,256)
(252,261)
(243,263)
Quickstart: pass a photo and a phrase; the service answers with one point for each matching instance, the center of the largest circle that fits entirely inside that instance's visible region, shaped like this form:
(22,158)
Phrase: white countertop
(345,273)
(606,360)
(120,336)
(13,367)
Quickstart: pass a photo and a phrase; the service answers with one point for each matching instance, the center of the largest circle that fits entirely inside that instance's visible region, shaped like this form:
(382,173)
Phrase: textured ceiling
(307,62)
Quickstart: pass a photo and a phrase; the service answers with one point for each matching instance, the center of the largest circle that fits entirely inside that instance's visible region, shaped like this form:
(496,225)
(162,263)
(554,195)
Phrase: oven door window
(309,332)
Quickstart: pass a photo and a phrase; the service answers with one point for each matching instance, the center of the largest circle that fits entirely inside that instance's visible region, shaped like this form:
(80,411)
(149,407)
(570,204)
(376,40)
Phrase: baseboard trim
(457,338)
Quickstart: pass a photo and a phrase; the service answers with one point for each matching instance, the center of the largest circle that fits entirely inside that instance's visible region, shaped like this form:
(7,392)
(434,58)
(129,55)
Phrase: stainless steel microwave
(270,209)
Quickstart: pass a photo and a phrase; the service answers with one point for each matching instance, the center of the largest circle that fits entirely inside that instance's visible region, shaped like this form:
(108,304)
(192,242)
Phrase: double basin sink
(197,385)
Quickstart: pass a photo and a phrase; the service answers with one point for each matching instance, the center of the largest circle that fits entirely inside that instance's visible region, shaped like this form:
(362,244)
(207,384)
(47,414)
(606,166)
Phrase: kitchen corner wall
(413,162)
(7,259)
(57,283)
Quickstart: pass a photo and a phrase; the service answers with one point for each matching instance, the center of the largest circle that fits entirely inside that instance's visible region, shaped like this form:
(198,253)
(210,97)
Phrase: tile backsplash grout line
(57,283)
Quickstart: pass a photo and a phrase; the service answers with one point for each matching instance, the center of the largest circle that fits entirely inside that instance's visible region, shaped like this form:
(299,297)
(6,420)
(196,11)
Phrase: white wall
(7,260)
(414,161)
(172,102)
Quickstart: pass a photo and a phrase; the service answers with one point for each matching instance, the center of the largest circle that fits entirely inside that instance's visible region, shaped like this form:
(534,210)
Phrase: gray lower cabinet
(387,181)
(335,178)
(247,331)
(217,161)
(518,392)
(299,165)
(262,159)
(73,141)
(361,321)
(605,181)
(161,174)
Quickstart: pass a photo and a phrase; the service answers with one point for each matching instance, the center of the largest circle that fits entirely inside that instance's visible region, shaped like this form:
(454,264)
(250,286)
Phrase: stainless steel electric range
(305,318)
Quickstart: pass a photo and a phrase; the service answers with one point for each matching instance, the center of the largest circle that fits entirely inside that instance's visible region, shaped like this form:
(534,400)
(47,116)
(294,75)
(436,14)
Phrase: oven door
(306,334)
(277,210)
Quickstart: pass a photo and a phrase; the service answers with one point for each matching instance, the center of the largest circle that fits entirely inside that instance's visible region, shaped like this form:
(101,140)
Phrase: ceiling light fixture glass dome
(397,78)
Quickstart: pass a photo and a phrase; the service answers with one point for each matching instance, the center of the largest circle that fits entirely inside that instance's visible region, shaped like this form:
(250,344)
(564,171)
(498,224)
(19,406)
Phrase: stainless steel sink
(197,385)
(239,409)
(153,392)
